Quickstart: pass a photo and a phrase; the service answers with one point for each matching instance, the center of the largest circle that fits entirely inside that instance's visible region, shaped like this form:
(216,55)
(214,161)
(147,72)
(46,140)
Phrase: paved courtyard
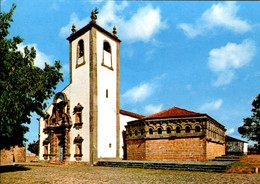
(86,174)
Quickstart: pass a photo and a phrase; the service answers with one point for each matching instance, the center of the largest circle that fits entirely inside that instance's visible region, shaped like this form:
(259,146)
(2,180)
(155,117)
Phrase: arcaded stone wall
(214,150)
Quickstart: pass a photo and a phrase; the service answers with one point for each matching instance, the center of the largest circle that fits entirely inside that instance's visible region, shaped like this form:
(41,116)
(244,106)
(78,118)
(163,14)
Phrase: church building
(85,124)
(82,123)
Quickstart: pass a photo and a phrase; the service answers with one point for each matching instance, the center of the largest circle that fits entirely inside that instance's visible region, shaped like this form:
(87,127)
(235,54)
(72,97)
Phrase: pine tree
(251,126)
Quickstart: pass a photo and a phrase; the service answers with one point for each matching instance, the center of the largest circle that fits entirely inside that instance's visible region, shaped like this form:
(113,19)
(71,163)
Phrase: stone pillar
(66,155)
(53,149)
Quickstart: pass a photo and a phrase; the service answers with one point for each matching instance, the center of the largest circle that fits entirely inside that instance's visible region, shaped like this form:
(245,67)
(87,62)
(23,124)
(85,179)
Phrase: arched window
(136,132)
(178,129)
(159,131)
(168,130)
(187,129)
(130,133)
(150,131)
(107,56)
(107,47)
(142,132)
(197,129)
(80,48)
(80,54)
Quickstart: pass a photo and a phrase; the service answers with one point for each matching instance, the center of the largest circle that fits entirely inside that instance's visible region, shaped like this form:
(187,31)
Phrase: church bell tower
(94,78)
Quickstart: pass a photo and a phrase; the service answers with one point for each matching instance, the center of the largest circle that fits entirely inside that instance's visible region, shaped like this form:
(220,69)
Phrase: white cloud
(218,15)
(139,93)
(66,30)
(143,90)
(230,131)
(40,59)
(151,109)
(210,106)
(189,30)
(225,60)
(141,26)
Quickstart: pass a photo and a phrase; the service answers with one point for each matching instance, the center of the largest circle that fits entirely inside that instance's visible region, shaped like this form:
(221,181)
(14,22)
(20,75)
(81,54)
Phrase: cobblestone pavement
(68,174)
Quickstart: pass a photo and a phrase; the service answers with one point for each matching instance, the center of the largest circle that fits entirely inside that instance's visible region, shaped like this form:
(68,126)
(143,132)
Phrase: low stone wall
(214,150)
(167,149)
(186,149)
(13,155)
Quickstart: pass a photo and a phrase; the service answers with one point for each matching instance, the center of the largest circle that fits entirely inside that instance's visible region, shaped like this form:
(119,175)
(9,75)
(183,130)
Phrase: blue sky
(200,56)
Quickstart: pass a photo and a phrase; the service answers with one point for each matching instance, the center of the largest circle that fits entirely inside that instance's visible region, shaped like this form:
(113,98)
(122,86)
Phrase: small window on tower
(107,93)
(107,47)
(107,56)
(80,48)
(80,54)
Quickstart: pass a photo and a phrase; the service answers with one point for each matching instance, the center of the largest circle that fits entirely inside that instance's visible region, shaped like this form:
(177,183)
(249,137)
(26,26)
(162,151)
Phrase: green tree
(23,86)
(251,126)
(34,147)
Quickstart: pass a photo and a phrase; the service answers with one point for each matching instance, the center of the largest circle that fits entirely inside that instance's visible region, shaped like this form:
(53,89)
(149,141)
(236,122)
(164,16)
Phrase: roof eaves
(134,115)
(87,28)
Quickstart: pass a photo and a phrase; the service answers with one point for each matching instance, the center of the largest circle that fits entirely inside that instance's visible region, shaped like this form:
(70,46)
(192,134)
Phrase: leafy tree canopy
(23,86)
(251,126)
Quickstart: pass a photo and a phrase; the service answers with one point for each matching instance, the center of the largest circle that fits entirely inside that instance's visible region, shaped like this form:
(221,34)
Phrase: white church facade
(83,122)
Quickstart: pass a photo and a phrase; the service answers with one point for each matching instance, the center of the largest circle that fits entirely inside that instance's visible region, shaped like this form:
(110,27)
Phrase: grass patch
(240,163)
(241,167)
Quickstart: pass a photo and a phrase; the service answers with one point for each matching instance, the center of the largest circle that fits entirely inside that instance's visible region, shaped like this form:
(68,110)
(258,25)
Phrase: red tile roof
(232,139)
(174,112)
(123,112)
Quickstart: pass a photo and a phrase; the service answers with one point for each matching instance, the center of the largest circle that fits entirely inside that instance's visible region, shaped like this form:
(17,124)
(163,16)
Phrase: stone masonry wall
(175,149)
(135,149)
(20,154)
(14,154)
(214,150)
(167,149)
(6,156)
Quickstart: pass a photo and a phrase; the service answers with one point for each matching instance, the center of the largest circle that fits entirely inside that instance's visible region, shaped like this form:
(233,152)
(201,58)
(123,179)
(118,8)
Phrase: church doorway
(61,148)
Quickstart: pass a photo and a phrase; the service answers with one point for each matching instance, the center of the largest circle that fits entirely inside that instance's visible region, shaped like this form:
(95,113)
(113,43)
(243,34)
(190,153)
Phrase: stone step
(227,158)
(223,159)
(164,166)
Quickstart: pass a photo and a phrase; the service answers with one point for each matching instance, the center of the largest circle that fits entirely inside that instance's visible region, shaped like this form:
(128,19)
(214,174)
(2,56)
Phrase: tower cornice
(91,24)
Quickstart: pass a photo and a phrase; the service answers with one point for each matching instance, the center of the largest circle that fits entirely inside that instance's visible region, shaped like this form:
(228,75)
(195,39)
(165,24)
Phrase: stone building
(235,146)
(175,134)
